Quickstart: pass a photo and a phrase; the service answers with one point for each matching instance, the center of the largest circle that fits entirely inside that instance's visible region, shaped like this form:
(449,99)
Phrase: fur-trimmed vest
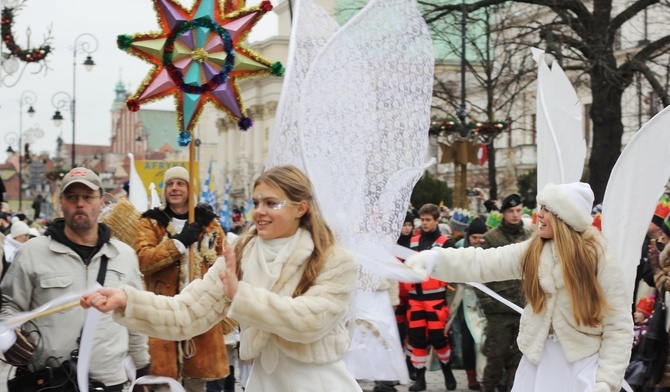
(165,272)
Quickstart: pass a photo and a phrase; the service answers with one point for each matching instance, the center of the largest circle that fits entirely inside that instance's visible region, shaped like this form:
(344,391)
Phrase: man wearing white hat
(162,245)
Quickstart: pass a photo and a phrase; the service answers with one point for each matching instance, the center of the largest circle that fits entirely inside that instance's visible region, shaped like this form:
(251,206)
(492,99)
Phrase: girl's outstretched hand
(229,277)
(105,299)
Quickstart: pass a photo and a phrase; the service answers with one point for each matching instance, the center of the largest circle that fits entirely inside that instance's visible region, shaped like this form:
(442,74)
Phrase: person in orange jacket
(428,310)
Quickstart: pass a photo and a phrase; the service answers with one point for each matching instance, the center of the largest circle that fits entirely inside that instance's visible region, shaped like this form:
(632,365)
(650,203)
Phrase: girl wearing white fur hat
(576,329)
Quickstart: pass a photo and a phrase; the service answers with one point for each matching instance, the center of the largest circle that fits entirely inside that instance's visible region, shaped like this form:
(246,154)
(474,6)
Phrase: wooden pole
(23,319)
(192,194)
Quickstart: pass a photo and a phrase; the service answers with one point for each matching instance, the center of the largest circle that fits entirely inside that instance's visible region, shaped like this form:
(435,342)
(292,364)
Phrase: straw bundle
(123,219)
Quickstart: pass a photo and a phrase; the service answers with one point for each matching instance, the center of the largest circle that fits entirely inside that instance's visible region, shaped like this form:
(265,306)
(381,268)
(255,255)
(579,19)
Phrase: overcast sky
(95,90)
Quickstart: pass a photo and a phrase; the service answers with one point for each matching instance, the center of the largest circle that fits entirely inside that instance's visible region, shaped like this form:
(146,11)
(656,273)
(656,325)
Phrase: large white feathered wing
(312,28)
(561,148)
(363,113)
(635,185)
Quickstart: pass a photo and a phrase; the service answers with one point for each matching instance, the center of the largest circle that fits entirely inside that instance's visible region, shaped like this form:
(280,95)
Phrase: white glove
(600,387)
(423,262)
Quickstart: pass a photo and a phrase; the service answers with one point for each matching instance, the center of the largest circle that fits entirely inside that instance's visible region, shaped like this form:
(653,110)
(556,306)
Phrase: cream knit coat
(309,328)
(612,339)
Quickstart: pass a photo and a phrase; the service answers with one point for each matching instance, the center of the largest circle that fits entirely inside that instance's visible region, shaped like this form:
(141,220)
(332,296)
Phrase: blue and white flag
(208,195)
(248,211)
(226,216)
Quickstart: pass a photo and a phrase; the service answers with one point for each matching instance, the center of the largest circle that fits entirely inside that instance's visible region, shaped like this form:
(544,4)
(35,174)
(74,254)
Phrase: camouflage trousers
(501,350)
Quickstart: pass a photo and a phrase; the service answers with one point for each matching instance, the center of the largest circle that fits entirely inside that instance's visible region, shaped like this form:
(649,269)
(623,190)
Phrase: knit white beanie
(570,202)
(172,173)
(175,172)
(18,229)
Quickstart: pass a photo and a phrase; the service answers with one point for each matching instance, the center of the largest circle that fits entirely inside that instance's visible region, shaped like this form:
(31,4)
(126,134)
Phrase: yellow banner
(154,171)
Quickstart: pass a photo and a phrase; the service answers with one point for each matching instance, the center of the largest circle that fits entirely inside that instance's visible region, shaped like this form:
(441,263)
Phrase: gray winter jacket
(45,269)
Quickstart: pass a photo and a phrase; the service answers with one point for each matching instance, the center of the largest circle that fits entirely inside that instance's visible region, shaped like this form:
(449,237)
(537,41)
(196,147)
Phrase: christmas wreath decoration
(29,55)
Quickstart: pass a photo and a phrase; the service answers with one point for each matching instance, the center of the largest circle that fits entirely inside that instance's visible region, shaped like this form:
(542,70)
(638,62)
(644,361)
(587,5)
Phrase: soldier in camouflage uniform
(502,327)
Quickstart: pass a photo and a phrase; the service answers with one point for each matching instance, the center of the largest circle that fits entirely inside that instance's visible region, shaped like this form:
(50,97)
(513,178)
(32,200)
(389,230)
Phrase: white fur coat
(309,328)
(612,339)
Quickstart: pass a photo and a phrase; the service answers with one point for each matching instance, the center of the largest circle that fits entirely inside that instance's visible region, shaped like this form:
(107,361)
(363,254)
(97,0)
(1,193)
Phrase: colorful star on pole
(198,57)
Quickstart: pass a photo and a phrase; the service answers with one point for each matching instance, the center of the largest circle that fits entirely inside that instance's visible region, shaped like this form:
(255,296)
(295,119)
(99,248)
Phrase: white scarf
(263,263)
(265,259)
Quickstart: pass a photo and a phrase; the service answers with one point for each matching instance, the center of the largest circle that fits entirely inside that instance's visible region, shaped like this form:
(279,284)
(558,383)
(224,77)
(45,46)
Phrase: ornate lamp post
(463,139)
(28,98)
(88,45)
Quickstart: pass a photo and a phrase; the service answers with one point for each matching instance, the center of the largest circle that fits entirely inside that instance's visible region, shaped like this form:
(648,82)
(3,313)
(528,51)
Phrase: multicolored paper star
(198,57)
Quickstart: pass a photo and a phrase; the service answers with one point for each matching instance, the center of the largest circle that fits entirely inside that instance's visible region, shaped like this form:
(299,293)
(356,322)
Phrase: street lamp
(11,138)
(143,139)
(88,45)
(29,98)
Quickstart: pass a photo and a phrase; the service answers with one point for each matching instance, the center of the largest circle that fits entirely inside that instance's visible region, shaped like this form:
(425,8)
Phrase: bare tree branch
(627,14)
(658,88)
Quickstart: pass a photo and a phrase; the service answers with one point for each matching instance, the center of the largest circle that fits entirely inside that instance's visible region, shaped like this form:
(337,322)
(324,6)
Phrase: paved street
(434,380)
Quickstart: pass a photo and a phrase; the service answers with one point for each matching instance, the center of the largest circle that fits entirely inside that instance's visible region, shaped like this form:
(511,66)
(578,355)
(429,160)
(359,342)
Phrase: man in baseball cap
(75,252)
(81,175)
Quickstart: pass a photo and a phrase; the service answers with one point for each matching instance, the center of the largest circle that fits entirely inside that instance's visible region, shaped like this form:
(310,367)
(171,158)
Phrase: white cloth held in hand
(7,338)
(424,261)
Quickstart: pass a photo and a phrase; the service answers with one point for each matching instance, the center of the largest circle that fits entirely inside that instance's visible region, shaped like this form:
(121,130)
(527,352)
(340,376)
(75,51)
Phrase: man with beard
(75,252)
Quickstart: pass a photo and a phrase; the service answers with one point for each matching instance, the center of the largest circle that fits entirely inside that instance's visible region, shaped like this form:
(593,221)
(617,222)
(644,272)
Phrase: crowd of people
(277,299)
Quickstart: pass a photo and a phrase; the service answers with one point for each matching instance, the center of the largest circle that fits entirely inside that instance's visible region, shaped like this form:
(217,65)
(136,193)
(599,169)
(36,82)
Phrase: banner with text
(154,170)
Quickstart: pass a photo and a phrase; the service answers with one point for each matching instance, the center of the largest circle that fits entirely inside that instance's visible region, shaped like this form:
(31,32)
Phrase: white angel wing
(561,148)
(635,185)
(362,113)
(312,28)
(155,199)
(137,191)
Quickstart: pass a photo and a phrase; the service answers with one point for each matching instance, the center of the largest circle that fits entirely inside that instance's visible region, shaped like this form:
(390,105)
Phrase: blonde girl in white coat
(576,329)
(287,283)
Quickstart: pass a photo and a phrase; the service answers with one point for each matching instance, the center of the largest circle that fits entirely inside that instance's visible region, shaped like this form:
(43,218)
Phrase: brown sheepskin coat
(164,269)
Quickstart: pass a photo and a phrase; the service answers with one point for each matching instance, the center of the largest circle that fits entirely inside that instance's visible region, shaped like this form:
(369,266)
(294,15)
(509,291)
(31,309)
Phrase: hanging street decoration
(28,55)
(450,124)
(465,144)
(198,56)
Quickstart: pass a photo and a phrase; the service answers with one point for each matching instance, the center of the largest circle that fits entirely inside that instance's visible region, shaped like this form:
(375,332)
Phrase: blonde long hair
(297,187)
(578,254)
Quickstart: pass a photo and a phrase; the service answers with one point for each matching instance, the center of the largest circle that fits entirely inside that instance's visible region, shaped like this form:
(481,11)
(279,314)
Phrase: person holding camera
(75,252)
